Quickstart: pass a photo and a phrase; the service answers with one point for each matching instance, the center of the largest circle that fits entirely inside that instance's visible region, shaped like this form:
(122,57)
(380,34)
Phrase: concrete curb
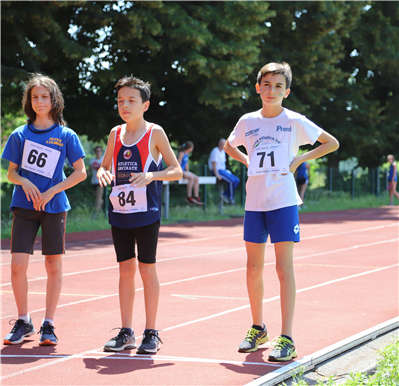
(310,361)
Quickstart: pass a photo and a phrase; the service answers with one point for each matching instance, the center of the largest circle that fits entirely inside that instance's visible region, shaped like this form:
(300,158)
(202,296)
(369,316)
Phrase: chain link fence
(355,182)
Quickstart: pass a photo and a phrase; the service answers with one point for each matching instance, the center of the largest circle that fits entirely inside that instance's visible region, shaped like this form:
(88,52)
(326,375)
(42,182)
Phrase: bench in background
(203,180)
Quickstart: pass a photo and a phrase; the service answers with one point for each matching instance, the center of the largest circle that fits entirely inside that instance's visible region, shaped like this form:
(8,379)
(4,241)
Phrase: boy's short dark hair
(276,68)
(138,84)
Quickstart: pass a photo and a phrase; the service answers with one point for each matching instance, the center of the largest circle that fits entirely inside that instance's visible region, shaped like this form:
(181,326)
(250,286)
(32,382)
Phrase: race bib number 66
(269,159)
(40,159)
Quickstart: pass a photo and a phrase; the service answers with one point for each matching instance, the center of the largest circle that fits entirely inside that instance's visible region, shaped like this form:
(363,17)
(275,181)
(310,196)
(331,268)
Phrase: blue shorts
(282,225)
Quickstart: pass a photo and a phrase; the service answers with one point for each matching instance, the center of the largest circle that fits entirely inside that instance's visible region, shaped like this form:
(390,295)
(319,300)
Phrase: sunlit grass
(83,218)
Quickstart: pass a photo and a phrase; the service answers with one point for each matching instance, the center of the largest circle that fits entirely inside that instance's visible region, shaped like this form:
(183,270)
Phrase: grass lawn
(83,218)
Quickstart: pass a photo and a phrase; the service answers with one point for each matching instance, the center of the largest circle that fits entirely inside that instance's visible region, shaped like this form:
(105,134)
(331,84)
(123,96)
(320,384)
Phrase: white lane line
(207,297)
(103,250)
(352,231)
(60,360)
(157,357)
(116,266)
(211,274)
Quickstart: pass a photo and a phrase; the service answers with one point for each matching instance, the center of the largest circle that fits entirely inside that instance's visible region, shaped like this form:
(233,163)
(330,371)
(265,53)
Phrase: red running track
(347,281)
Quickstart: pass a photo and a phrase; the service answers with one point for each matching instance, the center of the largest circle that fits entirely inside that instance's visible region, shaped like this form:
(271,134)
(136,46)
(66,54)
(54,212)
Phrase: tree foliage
(202,59)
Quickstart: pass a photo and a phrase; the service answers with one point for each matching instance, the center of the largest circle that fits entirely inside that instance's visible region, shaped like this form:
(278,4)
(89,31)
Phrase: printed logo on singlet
(252,132)
(154,209)
(281,128)
(127,154)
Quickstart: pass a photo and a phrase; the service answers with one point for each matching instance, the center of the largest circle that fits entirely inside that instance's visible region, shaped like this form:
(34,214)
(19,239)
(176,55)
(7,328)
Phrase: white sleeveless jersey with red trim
(136,158)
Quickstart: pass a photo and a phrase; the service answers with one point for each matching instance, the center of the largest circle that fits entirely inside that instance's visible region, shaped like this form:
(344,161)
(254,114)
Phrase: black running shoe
(150,343)
(47,336)
(20,331)
(123,341)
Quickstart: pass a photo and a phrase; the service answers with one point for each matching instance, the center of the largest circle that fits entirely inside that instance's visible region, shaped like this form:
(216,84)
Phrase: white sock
(48,320)
(24,317)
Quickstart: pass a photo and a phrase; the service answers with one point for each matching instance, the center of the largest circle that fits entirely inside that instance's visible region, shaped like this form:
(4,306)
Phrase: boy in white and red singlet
(271,137)
(132,165)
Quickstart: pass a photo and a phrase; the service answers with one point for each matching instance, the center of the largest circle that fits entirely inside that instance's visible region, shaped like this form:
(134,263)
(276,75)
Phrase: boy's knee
(18,268)
(127,269)
(254,269)
(284,271)
(53,266)
(147,271)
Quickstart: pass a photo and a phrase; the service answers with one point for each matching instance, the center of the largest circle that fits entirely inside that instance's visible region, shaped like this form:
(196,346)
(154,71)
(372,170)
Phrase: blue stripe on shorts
(282,225)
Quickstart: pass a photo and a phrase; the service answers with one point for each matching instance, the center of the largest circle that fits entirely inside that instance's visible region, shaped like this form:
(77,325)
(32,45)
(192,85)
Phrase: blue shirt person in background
(392,178)
(183,156)
(302,180)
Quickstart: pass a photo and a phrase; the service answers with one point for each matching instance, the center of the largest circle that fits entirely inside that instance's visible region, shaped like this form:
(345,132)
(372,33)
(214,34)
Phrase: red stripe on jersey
(117,147)
(144,148)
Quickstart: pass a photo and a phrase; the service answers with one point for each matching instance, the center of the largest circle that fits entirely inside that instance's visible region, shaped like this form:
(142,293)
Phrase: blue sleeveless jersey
(302,172)
(390,175)
(136,158)
(184,162)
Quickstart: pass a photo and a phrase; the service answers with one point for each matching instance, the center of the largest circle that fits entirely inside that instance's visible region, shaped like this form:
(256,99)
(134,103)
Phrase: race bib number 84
(269,159)
(127,199)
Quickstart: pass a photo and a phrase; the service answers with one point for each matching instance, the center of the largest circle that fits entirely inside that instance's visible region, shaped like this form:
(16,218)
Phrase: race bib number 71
(269,159)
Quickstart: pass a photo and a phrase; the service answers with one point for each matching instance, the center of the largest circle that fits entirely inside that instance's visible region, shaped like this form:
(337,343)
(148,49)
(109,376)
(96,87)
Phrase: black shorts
(25,225)
(146,238)
(301,180)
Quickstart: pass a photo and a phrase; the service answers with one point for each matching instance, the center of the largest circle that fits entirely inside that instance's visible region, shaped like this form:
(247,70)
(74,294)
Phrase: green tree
(371,92)
(35,38)
(202,59)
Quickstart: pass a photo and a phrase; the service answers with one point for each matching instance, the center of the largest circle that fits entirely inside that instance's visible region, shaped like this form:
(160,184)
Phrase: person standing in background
(392,178)
(302,180)
(98,190)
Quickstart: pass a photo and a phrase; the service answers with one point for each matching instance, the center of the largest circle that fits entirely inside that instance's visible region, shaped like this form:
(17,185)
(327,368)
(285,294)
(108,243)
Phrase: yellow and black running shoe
(284,350)
(253,339)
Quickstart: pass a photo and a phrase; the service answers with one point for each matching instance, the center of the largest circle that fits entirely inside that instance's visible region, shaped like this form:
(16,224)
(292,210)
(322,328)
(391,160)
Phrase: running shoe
(47,337)
(20,331)
(253,339)
(197,200)
(284,350)
(232,202)
(150,343)
(190,200)
(123,341)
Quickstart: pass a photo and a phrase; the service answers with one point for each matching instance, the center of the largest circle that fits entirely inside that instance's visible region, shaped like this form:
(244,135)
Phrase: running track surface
(346,269)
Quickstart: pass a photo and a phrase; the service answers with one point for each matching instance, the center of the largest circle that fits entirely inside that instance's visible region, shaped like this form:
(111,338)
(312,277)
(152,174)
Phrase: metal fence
(355,182)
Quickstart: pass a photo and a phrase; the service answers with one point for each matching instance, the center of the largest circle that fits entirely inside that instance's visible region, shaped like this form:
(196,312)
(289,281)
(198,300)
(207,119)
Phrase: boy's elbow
(83,175)
(336,145)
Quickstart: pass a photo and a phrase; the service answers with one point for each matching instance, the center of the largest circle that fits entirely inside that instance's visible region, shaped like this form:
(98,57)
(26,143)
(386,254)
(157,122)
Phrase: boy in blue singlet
(37,152)
(271,137)
(132,165)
